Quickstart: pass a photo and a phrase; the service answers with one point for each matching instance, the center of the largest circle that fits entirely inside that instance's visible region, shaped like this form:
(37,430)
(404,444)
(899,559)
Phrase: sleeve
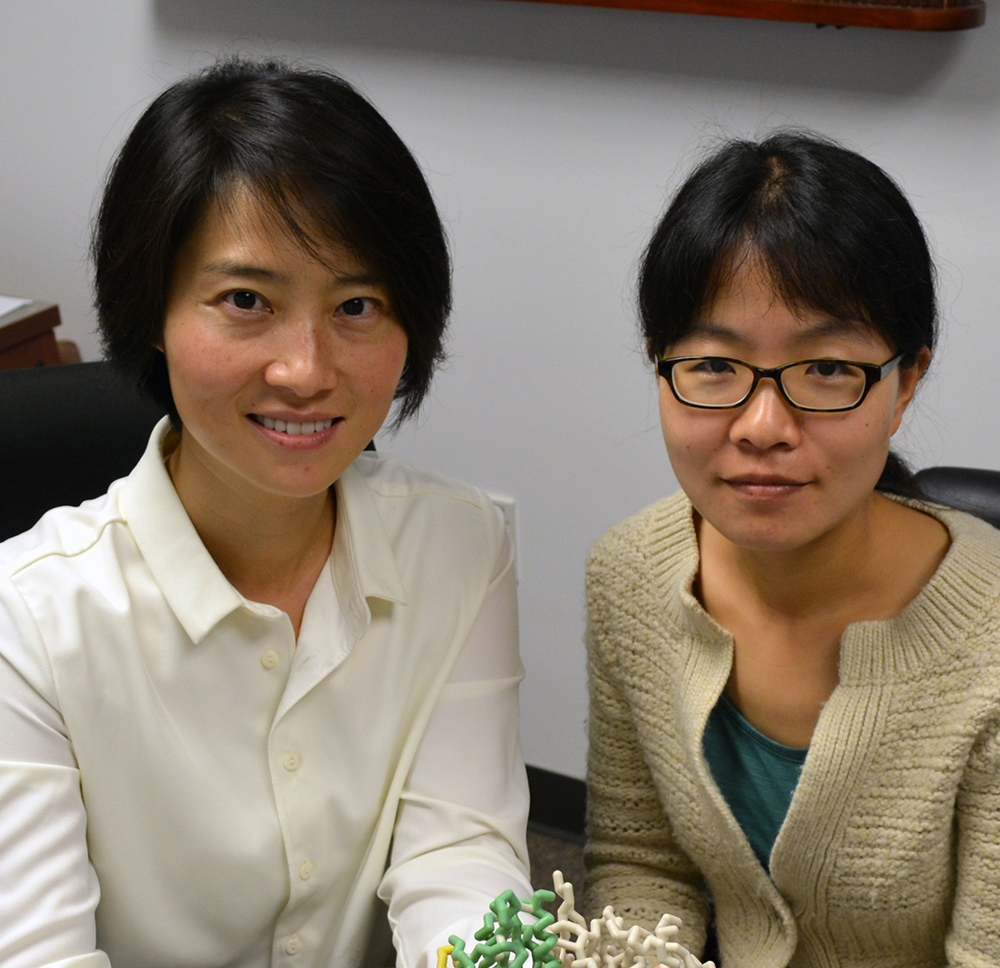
(459,838)
(974,935)
(632,858)
(50,890)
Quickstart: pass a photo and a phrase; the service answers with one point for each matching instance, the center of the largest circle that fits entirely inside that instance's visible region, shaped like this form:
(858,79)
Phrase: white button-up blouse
(182,784)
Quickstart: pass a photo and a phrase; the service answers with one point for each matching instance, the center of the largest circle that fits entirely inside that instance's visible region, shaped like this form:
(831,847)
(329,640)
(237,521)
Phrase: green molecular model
(505,941)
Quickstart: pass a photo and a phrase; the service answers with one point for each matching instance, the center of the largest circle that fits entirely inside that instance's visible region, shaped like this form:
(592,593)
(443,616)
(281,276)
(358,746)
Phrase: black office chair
(969,489)
(66,432)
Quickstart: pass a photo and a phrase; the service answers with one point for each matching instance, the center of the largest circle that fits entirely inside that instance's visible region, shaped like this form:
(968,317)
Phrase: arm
(974,935)
(50,891)
(459,837)
(633,860)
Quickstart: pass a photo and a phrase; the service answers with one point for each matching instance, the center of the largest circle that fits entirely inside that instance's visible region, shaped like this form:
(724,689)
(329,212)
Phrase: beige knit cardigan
(890,853)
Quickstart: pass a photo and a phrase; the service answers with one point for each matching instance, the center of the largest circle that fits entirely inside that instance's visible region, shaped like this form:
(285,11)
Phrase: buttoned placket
(309,662)
(278,660)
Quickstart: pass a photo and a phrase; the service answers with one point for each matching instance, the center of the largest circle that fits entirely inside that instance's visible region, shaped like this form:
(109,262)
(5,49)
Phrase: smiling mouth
(291,428)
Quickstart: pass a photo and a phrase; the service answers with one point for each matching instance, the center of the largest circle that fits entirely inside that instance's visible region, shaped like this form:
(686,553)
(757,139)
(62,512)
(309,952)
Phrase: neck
(834,570)
(270,547)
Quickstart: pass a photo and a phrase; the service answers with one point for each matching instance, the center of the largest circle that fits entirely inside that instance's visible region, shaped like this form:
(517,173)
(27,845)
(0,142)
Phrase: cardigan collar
(932,625)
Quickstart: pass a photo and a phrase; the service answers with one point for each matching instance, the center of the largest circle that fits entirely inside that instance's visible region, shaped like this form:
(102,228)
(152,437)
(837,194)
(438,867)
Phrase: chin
(775,536)
(766,531)
(301,488)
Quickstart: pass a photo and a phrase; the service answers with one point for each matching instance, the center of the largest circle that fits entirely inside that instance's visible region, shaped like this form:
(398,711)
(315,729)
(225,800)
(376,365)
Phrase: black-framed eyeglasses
(823,386)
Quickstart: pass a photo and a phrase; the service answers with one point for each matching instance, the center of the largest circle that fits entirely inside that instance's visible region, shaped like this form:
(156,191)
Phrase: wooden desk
(27,336)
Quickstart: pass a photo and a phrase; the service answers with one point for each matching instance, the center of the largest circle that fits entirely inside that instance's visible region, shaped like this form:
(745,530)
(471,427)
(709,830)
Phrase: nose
(303,359)
(766,420)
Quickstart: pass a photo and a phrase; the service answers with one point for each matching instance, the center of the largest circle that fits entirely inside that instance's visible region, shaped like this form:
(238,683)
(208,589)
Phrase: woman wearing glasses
(795,664)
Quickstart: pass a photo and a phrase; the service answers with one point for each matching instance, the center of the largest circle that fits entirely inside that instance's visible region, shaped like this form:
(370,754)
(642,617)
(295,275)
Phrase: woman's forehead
(242,240)
(243,216)
(747,307)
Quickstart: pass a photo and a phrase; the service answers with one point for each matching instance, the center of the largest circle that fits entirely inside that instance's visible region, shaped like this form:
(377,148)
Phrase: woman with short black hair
(794,662)
(321,160)
(266,685)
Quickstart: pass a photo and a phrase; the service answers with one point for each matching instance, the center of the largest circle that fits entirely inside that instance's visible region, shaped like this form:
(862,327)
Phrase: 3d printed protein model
(565,941)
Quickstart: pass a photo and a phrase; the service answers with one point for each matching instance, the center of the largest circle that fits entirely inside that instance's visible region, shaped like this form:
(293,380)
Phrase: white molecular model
(606,943)
(609,944)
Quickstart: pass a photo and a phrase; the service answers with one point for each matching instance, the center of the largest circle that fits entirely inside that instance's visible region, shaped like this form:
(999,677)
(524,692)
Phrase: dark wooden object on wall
(896,14)
(27,336)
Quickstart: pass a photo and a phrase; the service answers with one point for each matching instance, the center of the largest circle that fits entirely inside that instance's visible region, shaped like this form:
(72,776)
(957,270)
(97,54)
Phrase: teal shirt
(756,775)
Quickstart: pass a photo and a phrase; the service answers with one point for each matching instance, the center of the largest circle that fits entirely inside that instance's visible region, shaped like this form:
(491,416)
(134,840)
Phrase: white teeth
(294,429)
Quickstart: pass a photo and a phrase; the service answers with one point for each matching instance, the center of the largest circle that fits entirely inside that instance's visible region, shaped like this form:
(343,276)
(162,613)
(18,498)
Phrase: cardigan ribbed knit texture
(890,853)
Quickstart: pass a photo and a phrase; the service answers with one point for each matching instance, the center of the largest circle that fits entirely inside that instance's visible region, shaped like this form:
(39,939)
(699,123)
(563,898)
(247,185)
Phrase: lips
(766,487)
(761,480)
(291,427)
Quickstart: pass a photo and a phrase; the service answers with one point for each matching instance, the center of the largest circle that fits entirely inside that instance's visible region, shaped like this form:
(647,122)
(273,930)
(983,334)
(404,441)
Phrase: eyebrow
(820,330)
(247,270)
(834,326)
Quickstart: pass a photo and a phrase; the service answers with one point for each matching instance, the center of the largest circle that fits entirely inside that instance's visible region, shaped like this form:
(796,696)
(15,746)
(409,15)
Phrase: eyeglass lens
(821,384)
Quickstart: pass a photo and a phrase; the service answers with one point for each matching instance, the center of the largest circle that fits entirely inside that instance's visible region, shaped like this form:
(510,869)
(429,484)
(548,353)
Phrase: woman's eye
(362,309)
(245,300)
(829,368)
(714,364)
(355,307)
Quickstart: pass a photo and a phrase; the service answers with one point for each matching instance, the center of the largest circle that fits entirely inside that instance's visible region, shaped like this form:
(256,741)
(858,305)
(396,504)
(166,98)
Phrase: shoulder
(393,479)
(640,574)
(400,488)
(664,529)
(42,574)
(950,630)
(977,542)
(969,577)
(63,534)
(70,554)
(422,514)
(970,571)
(967,529)
(69,534)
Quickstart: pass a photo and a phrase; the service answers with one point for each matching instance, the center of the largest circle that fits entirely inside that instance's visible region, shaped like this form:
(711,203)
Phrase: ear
(909,378)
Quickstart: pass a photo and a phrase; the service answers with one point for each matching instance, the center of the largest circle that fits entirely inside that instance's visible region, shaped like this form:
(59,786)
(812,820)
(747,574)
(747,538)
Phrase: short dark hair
(832,230)
(304,141)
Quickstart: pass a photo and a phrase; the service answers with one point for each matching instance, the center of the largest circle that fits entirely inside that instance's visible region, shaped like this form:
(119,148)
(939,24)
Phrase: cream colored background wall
(551,135)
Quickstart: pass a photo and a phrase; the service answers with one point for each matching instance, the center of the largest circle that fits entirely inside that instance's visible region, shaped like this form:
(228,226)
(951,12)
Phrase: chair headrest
(66,432)
(970,489)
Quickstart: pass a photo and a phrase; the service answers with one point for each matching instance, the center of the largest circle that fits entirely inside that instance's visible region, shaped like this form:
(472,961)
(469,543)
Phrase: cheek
(380,372)
(692,449)
(874,433)
(387,374)
(855,451)
(199,366)
(689,434)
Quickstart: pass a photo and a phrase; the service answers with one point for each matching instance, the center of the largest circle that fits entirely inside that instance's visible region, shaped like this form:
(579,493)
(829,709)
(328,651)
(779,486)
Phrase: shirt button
(306,869)
(269,659)
(291,761)
(293,945)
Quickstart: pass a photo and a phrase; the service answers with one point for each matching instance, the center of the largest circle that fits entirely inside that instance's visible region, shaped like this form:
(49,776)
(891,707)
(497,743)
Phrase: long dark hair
(303,141)
(833,231)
